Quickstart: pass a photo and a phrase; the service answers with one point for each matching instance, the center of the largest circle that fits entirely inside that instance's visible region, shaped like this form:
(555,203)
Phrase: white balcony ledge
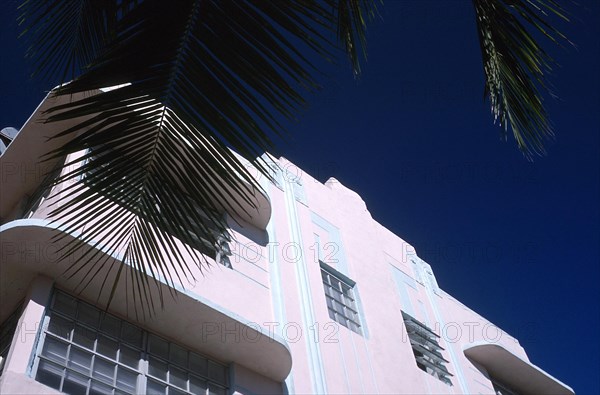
(520,375)
(28,250)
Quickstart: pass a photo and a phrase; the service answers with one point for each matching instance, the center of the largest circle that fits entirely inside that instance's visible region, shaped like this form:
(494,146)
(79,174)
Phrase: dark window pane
(329,302)
(198,385)
(104,370)
(346,289)
(178,355)
(126,380)
(158,346)
(84,337)
(174,391)
(198,364)
(55,350)
(131,334)
(74,384)
(177,377)
(337,295)
(65,304)
(60,326)
(157,368)
(331,314)
(129,356)
(216,372)
(107,347)
(100,389)
(215,390)
(80,360)
(111,325)
(49,374)
(88,314)
(155,388)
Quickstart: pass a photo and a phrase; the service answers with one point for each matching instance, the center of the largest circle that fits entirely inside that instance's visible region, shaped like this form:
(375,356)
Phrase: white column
(32,317)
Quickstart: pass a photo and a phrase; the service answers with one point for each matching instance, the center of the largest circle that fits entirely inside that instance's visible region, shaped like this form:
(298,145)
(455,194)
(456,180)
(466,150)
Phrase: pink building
(311,295)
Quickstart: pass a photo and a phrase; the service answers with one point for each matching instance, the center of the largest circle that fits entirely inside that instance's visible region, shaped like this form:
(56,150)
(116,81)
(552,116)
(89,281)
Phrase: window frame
(142,372)
(349,293)
(435,363)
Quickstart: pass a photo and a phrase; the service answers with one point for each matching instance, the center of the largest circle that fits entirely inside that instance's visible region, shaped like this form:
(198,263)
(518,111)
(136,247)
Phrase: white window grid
(86,351)
(341,300)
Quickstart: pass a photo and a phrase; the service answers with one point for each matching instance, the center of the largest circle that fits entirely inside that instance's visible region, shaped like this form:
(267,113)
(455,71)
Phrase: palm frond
(66,35)
(516,66)
(146,195)
(352,19)
(196,82)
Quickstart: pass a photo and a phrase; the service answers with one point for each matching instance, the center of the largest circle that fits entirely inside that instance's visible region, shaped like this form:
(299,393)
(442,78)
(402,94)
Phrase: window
(7,331)
(426,349)
(341,301)
(211,237)
(204,231)
(86,351)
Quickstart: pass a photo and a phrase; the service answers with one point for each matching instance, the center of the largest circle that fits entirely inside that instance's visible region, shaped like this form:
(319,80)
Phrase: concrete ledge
(189,319)
(514,372)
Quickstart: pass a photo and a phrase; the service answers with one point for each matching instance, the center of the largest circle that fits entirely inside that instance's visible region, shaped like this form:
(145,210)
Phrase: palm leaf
(66,35)
(198,81)
(352,18)
(516,66)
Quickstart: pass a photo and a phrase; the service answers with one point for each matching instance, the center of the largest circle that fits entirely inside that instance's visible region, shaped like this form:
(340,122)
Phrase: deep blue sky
(516,241)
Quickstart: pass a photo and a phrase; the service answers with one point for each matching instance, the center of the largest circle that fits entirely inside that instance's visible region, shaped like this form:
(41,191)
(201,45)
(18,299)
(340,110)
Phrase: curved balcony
(507,368)
(29,248)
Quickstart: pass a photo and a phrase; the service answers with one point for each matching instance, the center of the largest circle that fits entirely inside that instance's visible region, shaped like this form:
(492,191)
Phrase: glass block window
(86,351)
(341,301)
(426,349)
(7,332)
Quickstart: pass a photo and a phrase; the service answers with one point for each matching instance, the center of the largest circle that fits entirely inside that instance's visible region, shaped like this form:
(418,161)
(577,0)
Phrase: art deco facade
(311,295)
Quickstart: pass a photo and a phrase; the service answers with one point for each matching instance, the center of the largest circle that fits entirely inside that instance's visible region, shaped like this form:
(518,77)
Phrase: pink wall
(276,283)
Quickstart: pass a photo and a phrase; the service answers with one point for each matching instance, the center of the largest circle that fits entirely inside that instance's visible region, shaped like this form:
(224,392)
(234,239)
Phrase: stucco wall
(276,283)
